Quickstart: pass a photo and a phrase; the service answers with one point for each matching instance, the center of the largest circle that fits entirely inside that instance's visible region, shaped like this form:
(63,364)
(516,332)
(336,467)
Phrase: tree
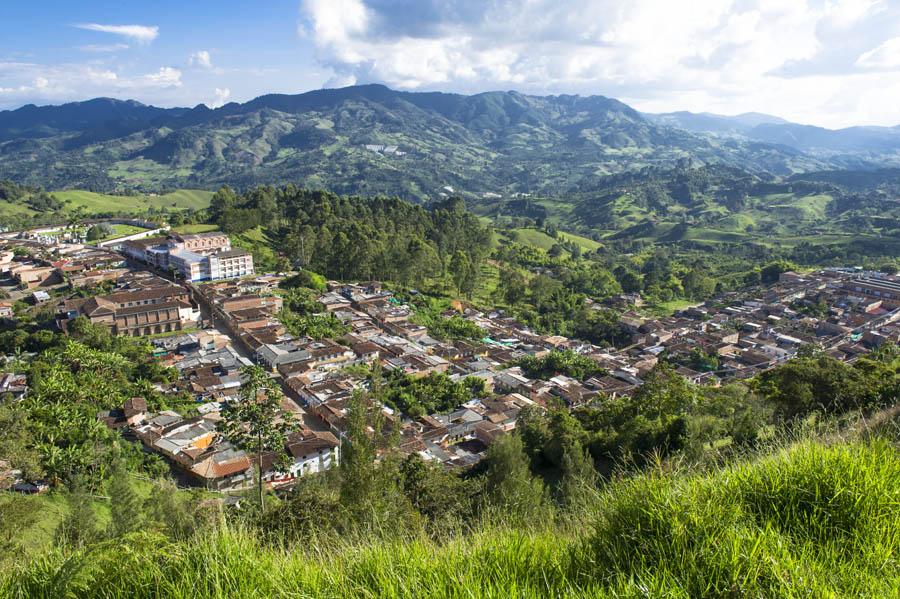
(509,483)
(358,455)
(697,285)
(437,493)
(98,232)
(579,478)
(79,527)
(513,286)
(629,280)
(770,273)
(125,507)
(814,381)
(170,511)
(222,201)
(462,272)
(17,440)
(255,422)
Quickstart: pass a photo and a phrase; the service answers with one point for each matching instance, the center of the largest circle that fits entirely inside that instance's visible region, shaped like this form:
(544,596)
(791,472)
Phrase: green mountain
(364,139)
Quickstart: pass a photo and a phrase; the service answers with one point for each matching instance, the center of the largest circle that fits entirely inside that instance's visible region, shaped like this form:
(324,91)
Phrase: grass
(583,242)
(96,203)
(119,230)
(540,239)
(197,228)
(810,520)
(255,240)
(536,238)
(671,307)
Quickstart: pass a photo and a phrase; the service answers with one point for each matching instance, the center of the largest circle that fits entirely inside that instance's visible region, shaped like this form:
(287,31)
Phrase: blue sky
(826,62)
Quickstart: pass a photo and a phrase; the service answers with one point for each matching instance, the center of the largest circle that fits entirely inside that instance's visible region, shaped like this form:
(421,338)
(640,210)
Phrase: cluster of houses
(843,311)
(210,374)
(32,265)
(195,257)
(846,312)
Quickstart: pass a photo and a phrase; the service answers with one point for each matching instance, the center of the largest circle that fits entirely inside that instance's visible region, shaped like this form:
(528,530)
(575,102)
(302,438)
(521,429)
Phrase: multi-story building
(204,244)
(145,311)
(231,264)
(887,288)
(199,257)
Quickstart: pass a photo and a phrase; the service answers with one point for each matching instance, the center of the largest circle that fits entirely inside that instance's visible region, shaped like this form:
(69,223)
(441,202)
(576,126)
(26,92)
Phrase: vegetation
(430,394)
(255,422)
(303,316)
(566,362)
(500,142)
(819,516)
(54,431)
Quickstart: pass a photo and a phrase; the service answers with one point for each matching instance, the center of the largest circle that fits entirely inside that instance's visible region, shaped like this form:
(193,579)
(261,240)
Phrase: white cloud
(103,47)
(200,59)
(724,55)
(844,13)
(29,82)
(220,97)
(164,77)
(142,34)
(884,56)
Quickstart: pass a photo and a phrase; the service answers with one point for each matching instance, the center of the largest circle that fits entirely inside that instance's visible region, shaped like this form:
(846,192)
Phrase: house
(6,309)
(312,452)
(14,384)
(196,257)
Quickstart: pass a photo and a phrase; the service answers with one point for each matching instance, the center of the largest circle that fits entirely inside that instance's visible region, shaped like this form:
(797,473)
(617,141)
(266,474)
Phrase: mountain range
(372,139)
(872,141)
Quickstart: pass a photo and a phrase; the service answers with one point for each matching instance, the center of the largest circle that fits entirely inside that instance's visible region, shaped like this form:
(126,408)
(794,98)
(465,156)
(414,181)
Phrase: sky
(832,63)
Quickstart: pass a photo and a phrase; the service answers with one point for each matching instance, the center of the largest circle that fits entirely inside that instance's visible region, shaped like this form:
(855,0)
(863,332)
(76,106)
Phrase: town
(208,314)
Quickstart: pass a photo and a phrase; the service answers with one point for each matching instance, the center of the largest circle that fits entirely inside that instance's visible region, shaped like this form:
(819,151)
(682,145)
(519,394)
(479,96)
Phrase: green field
(8,209)
(585,243)
(95,203)
(198,228)
(540,239)
(669,308)
(119,230)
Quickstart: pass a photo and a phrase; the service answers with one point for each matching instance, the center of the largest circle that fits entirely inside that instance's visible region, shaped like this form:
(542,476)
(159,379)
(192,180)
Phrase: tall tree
(510,485)
(222,201)
(79,527)
(125,507)
(255,422)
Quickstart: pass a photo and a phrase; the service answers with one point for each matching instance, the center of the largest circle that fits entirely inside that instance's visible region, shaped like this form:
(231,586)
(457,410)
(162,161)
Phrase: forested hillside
(364,139)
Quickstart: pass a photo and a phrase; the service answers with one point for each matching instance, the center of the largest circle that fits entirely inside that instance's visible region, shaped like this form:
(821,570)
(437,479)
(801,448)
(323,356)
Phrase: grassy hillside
(541,240)
(92,203)
(812,520)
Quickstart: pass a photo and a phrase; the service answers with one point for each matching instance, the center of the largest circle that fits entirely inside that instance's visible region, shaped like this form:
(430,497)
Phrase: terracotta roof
(307,442)
(211,469)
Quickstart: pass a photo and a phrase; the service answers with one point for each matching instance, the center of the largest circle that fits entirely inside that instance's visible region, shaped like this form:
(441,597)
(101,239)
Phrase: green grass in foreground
(809,521)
